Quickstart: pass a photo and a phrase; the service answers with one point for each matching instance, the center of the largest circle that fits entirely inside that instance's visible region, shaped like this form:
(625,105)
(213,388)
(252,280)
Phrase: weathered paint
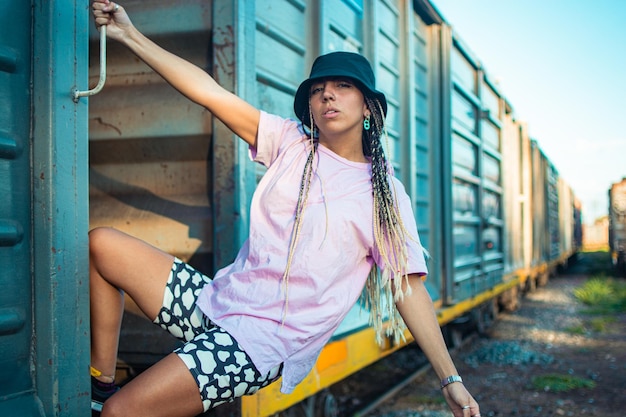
(17,392)
(44,325)
(476,206)
(60,207)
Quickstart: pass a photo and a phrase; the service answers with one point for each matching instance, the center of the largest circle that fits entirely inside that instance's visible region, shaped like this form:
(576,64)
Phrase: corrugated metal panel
(421,77)
(15,225)
(526,214)
(545,205)
(492,182)
(342,25)
(517,190)
(566,217)
(539,206)
(513,193)
(466,190)
(280,54)
(477,207)
(389,71)
(553,211)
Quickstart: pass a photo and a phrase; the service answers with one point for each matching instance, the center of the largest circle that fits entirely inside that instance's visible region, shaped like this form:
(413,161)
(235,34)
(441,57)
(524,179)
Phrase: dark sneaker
(100,392)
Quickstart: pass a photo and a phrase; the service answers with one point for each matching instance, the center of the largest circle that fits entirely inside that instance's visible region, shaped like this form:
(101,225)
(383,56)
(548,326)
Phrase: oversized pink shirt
(333,256)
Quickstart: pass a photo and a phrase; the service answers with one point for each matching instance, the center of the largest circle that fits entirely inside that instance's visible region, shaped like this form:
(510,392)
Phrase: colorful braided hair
(384,285)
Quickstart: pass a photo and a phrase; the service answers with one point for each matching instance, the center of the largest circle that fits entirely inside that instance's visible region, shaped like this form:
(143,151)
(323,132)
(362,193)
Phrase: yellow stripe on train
(342,358)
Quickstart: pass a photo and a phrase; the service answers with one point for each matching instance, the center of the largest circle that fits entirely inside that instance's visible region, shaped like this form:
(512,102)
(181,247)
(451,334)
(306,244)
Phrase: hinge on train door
(76,94)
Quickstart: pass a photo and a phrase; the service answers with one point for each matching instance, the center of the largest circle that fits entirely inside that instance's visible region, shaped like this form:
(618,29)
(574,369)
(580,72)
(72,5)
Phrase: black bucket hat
(338,64)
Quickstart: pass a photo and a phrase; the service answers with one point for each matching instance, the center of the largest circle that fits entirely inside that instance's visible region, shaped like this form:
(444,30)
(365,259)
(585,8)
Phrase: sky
(562,66)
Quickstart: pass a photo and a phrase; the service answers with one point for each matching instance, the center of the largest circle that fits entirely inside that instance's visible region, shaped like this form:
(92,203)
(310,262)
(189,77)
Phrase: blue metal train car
(491,208)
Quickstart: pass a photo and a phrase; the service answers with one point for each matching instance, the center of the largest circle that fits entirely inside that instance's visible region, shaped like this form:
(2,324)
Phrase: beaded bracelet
(452,378)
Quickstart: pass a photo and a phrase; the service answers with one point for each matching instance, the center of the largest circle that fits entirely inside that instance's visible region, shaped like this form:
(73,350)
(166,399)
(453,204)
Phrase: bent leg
(207,371)
(120,263)
(166,389)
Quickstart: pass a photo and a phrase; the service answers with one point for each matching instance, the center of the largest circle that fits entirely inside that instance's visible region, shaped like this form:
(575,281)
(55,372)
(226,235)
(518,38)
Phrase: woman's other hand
(460,401)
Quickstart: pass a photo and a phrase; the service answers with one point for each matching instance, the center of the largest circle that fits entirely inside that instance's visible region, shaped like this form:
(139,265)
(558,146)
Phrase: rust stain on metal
(112,126)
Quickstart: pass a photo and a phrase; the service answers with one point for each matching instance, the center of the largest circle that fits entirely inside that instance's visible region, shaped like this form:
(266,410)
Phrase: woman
(327,220)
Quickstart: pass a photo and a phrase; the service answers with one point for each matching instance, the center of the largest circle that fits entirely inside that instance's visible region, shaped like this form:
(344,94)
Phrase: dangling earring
(366,123)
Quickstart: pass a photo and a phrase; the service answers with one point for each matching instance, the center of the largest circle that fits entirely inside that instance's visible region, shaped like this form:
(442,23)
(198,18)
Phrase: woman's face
(338,108)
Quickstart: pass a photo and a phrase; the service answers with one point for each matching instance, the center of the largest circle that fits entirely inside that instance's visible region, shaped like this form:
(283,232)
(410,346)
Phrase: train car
(569,235)
(545,211)
(518,197)
(489,205)
(44,305)
(617,226)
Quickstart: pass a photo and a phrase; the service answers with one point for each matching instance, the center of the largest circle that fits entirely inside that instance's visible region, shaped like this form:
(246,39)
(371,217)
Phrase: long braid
(390,235)
(305,185)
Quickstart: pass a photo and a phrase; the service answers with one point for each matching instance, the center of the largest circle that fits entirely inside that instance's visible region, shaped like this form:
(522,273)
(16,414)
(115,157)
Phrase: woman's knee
(106,245)
(115,407)
(100,238)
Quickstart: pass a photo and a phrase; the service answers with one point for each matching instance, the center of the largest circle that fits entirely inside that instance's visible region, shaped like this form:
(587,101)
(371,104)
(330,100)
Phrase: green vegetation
(600,324)
(561,383)
(578,329)
(604,295)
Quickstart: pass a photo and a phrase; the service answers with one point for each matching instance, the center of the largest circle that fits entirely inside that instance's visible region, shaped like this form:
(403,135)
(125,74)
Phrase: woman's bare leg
(121,263)
(166,389)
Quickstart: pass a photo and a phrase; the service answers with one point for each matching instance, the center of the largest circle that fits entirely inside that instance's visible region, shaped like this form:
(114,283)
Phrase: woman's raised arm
(193,82)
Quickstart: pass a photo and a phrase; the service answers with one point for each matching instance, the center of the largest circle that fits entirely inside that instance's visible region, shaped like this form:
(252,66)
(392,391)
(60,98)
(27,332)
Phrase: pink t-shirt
(333,256)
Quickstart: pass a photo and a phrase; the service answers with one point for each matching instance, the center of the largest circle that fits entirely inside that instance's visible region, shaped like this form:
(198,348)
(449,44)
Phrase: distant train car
(617,226)
(489,205)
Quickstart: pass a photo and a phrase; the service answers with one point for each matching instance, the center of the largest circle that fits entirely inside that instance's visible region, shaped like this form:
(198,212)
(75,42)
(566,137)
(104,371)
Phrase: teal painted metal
(477,202)
(443,175)
(234,178)
(60,208)
(16,388)
(52,377)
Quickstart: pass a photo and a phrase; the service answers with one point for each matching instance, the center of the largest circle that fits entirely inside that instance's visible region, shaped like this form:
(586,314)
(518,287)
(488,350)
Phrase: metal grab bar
(103,68)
